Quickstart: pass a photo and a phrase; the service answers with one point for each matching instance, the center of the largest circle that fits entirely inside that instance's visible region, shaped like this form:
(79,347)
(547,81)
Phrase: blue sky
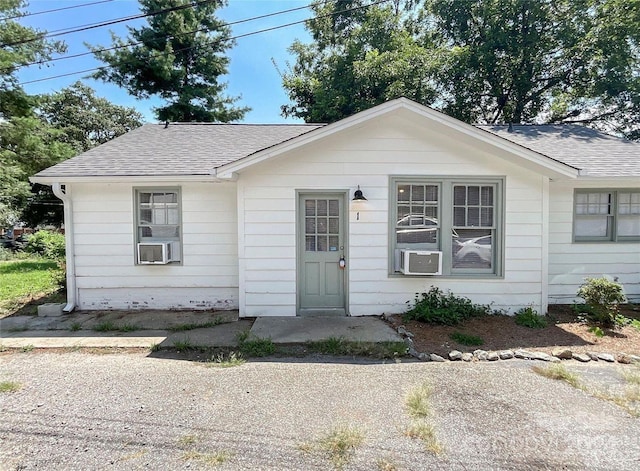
(252,74)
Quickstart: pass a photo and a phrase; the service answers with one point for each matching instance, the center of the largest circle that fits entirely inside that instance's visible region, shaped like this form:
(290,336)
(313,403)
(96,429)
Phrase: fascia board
(49,180)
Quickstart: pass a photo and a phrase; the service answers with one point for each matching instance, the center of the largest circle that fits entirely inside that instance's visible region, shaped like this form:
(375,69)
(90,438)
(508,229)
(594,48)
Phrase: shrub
(46,243)
(436,307)
(602,298)
(529,317)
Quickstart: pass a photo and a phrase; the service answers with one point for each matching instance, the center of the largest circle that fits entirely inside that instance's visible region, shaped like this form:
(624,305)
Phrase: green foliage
(227,361)
(22,280)
(49,244)
(257,347)
(341,347)
(436,307)
(635,323)
(106,326)
(597,331)
(529,317)
(178,56)
(602,297)
(466,339)
(9,386)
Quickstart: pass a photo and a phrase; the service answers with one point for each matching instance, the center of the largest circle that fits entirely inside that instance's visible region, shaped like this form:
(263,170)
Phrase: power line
(54,10)
(113,48)
(107,23)
(231,39)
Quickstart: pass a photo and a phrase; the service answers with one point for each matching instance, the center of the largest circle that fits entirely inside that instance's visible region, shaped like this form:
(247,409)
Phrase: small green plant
(183,345)
(635,323)
(340,444)
(418,401)
(74,327)
(597,331)
(196,325)
(46,243)
(426,433)
(603,298)
(257,347)
(466,339)
(9,386)
(188,440)
(386,464)
(436,307)
(529,317)
(27,348)
(211,459)
(155,347)
(227,361)
(560,373)
(127,328)
(106,326)
(340,347)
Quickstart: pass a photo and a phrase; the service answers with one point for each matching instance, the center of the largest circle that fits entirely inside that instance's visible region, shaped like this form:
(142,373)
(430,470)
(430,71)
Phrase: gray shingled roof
(595,153)
(197,149)
(180,149)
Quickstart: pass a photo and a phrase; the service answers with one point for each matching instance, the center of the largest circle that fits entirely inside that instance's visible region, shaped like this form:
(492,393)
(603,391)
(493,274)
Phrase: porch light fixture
(358,196)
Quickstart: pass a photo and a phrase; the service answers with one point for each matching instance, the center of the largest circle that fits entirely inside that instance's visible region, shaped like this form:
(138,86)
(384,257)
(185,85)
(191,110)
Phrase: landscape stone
(455,355)
(522,354)
(402,330)
(413,352)
(540,356)
(624,358)
(505,354)
(409,334)
(424,357)
(562,353)
(593,356)
(480,354)
(606,357)
(435,357)
(467,356)
(408,342)
(634,358)
(492,356)
(583,357)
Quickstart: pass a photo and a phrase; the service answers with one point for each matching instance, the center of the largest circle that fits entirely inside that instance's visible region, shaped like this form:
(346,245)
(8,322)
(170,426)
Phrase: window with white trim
(158,219)
(606,215)
(461,217)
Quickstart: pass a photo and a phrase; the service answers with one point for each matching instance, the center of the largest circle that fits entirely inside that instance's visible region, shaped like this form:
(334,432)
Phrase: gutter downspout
(69,246)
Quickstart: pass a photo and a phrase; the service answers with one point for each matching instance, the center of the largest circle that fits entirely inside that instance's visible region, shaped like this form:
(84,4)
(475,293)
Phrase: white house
(267,219)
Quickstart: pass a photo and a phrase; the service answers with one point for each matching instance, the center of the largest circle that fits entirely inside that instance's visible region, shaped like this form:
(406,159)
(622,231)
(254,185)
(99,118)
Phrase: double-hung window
(606,215)
(158,221)
(462,218)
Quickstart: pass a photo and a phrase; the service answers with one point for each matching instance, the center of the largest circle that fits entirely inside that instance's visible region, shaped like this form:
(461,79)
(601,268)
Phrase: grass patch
(466,339)
(529,317)
(426,433)
(635,323)
(127,328)
(256,347)
(559,372)
(106,326)
(183,345)
(340,444)
(188,440)
(196,325)
(155,347)
(74,327)
(27,348)
(226,361)
(9,386)
(340,347)
(23,280)
(211,459)
(418,401)
(386,464)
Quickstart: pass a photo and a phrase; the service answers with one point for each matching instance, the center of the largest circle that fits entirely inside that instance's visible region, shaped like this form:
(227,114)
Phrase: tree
(180,57)
(491,61)
(84,119)
(361,56)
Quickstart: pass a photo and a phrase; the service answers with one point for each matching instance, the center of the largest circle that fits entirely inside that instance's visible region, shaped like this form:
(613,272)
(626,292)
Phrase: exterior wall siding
(368,156)
(570,263)
(107,276)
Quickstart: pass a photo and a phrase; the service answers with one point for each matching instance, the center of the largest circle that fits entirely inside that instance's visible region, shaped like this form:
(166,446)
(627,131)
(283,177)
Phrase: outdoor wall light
(358,196)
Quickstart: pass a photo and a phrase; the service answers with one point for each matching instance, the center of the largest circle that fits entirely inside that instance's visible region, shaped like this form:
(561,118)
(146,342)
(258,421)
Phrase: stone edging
(556,356)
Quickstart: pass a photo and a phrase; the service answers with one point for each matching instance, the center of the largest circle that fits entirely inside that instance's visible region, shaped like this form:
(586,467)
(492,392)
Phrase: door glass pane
(310,207)
(310,225)
(333,243)
(334,225)
(310,243)
(334,208)
(321,207)
(321,225)
(472,248)
(322,244)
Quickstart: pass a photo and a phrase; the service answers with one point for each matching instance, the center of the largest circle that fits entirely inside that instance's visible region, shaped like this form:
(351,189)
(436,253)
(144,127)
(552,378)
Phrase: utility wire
(231,39)
(54,10)
(165,36)
(106,23)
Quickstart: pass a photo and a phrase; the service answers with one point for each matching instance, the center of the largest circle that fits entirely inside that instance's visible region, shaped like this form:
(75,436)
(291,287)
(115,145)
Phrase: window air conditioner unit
(414,262)
(158,253)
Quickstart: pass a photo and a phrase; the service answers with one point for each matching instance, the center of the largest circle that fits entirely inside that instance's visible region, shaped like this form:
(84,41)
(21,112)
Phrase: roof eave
(51,179)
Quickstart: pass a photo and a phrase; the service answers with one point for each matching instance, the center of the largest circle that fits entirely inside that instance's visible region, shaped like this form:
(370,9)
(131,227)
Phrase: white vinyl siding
(105,237)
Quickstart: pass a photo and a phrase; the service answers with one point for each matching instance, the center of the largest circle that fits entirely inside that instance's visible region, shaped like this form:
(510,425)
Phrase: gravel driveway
(131,411)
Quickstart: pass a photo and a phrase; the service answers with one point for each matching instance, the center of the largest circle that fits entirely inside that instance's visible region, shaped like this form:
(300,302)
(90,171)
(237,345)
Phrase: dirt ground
(499,332)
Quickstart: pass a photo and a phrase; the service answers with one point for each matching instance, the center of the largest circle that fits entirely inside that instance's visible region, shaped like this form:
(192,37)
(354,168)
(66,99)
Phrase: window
(158,219)
(460,218)
(606,215)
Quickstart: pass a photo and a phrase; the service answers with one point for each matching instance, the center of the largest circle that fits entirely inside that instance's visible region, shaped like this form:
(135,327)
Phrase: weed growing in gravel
(155,347)
(188,440)
(466,339)
(529,317)
(340,444)
(257,347)
(560,373)
(426,433)
(341,347)
(106,326)
(27,348)
(632,376)
(386,464)
(418,405)
(195,325)
(211,459)
(183,345)
(597,331)
(226,361)
(9,386)
(418,401)
(76,326)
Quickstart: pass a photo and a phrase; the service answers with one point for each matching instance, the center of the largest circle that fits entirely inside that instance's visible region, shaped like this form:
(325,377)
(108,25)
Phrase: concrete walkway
(168,329)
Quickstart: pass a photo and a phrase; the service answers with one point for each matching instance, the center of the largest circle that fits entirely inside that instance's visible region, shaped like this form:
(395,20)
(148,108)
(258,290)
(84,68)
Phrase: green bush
(436,307)
(46,243)
(602,297)
(529,317)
